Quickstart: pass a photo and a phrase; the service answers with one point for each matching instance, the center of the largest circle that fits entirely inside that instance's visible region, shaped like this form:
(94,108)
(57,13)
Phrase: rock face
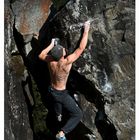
(17,121)
(20,104)
(103,77)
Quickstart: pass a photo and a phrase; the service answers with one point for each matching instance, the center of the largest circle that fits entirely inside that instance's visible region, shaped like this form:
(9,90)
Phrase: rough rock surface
(17,121)
(103,77)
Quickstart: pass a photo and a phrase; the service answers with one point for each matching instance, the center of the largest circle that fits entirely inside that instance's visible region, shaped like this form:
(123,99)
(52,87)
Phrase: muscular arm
(74,56)
(43,55)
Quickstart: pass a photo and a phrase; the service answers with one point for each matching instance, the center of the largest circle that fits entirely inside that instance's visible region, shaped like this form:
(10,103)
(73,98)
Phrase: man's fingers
(53,39)
(87,22)
(87,26)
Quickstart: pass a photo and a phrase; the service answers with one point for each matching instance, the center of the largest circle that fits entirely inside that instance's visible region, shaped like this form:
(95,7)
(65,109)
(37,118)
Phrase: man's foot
(61,136)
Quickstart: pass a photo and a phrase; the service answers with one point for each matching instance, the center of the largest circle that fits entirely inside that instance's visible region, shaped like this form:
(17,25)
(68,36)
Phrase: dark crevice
(123,38)
(48,25)
(76,83)
(59,5)
(105,127)
(79,83)
(30,106)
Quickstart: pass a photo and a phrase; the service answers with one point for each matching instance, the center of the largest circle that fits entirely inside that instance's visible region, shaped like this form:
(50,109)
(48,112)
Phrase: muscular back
(59,72)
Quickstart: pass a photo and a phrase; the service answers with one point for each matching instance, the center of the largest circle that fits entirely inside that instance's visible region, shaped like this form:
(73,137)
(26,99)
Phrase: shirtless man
(59,68)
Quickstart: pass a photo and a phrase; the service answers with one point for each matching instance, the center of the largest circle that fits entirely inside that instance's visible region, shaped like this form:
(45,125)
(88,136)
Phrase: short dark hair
(57,52)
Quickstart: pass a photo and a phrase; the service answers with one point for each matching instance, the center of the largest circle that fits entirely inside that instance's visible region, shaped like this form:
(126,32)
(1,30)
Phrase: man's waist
(58,86)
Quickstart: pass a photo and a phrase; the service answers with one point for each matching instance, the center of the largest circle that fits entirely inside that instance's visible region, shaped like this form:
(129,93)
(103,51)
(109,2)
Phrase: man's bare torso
(59,72)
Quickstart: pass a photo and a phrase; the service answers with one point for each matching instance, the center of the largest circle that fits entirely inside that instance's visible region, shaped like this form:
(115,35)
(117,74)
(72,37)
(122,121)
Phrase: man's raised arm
(76,54)
(44,53)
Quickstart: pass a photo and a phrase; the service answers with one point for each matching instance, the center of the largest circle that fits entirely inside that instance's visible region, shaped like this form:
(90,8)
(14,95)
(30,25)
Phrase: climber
(59,66)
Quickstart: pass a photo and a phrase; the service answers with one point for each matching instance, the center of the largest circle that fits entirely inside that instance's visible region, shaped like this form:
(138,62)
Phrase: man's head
(57,52)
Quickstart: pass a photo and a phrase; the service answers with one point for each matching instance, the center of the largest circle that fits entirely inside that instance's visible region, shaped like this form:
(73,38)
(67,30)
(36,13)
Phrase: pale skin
(59,70)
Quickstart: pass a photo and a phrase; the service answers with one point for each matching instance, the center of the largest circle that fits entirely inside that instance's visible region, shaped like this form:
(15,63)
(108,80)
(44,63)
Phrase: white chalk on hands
(86,26)
(53,39)
(87,22)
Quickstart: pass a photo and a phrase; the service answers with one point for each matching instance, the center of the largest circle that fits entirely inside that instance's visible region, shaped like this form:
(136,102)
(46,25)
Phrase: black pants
(61,100)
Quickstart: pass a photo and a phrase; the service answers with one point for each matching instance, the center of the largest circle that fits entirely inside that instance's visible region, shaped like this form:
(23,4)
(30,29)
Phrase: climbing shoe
(58,137)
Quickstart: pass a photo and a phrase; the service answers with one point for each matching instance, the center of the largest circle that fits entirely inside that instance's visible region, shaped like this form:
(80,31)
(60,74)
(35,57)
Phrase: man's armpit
(49,58)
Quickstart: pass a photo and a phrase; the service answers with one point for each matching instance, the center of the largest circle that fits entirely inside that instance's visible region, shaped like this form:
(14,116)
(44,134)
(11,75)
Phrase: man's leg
(74,111)
(58,111)
(56,103)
